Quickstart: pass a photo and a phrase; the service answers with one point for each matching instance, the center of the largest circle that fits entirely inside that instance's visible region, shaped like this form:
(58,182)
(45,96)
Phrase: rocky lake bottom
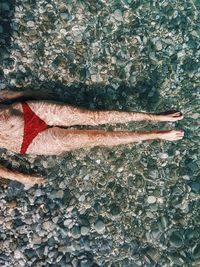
(130,205)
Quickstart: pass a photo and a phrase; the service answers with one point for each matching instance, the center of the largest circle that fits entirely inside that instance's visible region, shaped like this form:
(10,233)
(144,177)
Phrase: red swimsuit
(33,125)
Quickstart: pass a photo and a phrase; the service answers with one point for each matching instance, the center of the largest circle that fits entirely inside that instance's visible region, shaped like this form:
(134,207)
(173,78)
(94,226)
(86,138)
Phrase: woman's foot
(169,116)
(171,135)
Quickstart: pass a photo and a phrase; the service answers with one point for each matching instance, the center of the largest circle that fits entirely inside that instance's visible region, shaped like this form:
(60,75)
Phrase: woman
(33,127)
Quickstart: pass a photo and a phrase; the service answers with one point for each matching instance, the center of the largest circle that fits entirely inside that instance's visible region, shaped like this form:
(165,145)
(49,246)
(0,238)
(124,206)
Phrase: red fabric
(33,125)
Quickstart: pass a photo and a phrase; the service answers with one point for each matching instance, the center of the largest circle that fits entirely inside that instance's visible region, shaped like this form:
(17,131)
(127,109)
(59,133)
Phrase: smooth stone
(36,240)
(151,199)
(81,198)
(18,254)
(21,263)
(120,169)
(67,222)
(64,16)
(181,54)
(164,156)
(30,23)
(63,31)
(118,15)
(175,240)
(48,226)
(152,56)
(4,55)
(196,252)
(59,194)
(115,210)
(63,232)
(84,230)
(195,186)
(195,116)
(193,166)
(76,232)
(30,253)
(86,263)
(55,219)
(38,193)
(78,38)
(99,226)
(62,185)
(2,86)
(159,46)
(94,77)
(9,225)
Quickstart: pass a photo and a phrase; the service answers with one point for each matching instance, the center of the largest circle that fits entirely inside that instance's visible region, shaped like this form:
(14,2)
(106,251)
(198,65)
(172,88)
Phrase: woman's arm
(20,177)
(6,95)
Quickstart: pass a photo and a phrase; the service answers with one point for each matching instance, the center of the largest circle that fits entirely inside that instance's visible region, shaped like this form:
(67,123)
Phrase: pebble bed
(133,205)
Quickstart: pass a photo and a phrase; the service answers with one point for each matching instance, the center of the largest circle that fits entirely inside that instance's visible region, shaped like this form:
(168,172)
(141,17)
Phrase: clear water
(134,205)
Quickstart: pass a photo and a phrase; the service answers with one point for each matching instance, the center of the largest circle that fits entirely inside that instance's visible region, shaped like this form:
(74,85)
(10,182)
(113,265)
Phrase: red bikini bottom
(33,125)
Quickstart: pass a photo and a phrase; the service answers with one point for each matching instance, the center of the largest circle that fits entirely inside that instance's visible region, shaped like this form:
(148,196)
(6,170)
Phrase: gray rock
(38,192)
(86,263)
(118,15)
(196,252)
(31,24)
(67,222)
(48,226)
(195,186)
(99,226)
(176,240)
(64,15)
(76,233)
(84,230)
(4,54)
(59,194)
(158,46)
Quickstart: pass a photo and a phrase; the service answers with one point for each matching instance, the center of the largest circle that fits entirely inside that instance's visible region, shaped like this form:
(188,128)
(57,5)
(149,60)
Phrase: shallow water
(133,205)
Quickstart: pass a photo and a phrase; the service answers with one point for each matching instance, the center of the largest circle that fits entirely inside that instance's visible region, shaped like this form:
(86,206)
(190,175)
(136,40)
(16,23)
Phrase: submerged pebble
(151,199)
(99,226)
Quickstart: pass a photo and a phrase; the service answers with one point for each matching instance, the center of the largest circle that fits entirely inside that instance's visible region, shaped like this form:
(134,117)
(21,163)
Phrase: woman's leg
(55,141)
(60,114)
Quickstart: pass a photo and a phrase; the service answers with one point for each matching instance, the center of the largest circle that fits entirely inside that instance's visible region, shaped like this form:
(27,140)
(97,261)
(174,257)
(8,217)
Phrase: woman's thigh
(52,141)
(56,140)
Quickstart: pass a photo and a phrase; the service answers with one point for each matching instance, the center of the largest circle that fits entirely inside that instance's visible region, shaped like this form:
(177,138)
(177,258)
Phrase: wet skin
(56,140)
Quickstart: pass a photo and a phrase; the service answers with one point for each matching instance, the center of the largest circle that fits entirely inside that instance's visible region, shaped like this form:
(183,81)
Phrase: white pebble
(164,156)
(63,31)
(99,226)
(18,254)
(151,199)
(67,222)
(30,24)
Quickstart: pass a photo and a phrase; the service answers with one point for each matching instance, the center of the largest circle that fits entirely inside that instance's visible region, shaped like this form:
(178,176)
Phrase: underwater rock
(151,199)
(118,15)
(84,230)
(158,46)
(99,226)
(75,232)
(176,239)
